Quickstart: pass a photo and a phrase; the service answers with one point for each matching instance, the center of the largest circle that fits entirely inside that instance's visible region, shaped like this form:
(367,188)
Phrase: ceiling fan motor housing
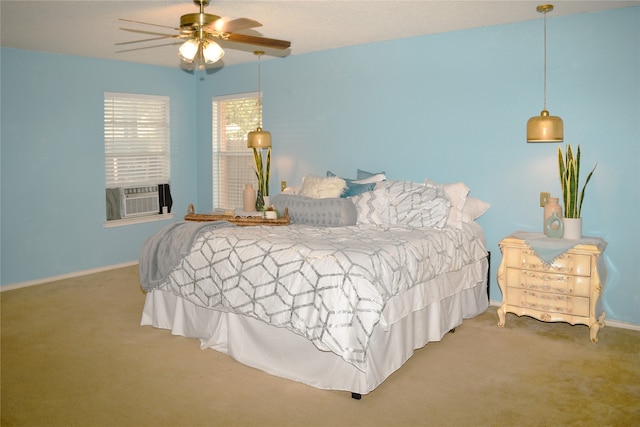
(193,21)
(197,20)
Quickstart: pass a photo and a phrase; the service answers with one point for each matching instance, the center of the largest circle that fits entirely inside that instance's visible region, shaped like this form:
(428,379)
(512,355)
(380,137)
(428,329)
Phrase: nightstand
(553,280)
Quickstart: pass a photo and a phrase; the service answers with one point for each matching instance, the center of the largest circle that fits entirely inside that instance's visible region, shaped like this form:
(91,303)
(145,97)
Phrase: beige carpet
(73,354)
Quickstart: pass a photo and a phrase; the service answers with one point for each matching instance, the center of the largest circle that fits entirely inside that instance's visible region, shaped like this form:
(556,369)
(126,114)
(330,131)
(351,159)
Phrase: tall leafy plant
(569,168)
(262,170)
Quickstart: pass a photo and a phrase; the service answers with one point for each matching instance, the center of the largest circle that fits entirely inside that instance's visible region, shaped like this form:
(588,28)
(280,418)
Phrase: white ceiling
(91,27)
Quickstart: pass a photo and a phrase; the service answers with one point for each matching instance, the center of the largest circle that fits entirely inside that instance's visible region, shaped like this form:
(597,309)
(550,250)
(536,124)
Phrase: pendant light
(545,128)
(259,138)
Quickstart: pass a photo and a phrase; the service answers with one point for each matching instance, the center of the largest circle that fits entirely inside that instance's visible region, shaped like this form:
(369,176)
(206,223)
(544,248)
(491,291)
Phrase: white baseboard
(607,322)
(64,276)
(623,325)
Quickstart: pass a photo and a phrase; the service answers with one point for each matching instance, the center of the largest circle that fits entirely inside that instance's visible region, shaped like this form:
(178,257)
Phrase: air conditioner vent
(138,201)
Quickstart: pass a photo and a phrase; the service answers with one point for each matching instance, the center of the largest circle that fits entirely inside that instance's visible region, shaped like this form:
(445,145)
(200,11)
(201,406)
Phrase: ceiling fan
(200,32)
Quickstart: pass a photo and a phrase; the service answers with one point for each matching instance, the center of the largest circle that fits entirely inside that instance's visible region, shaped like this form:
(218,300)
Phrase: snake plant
(262,173)
(569,167)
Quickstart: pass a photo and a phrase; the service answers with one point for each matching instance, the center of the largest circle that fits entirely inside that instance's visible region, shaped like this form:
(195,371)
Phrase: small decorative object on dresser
(550,208)
(552,280)
(554,227)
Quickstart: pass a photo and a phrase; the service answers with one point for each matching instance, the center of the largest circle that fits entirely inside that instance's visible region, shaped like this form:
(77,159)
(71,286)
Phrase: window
(136,155)
(233,118)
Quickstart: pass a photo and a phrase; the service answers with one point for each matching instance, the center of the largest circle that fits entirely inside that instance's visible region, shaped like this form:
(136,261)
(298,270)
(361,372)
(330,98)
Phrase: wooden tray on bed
(245,221)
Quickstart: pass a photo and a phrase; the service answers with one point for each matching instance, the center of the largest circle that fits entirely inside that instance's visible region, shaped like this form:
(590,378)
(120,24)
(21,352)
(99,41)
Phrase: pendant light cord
(545,60)
(259,91)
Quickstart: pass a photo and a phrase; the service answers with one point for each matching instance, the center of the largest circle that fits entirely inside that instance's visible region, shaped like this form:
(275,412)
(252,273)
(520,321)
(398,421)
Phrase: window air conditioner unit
(137,201)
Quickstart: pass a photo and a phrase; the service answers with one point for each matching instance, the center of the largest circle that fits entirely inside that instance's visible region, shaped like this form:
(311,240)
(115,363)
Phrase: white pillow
(402,202)
(456,193)
(292,190)
(372,206)
(473,209)
(415,205)
(321,188)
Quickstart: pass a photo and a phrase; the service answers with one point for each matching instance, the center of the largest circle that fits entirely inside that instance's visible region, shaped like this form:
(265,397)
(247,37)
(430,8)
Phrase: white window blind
(136,139)
(233,166)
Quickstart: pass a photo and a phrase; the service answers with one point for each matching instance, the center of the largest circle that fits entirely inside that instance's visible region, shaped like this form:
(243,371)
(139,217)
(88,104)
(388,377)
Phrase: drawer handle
(548,297)
(549,278)
(533,266)
(546,278)
(546,288)
(546,307)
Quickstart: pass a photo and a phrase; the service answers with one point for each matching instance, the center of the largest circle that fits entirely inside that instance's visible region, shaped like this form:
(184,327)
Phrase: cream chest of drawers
(566,290)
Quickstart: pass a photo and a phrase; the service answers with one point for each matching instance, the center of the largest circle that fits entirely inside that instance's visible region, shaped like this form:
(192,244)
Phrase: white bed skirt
(280,352)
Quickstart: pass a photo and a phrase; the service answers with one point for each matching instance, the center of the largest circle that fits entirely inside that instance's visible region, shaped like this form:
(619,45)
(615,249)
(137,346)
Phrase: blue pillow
(364,174)
(354,188)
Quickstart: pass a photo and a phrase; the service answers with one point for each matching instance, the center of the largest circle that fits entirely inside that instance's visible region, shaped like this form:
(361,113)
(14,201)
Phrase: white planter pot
(572,228)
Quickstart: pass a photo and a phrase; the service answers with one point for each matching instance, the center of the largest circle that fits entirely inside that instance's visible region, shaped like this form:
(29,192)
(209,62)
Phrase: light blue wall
(53,202)
(454,107)
(449,107)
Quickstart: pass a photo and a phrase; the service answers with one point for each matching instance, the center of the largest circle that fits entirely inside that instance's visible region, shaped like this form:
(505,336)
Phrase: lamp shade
(188,50)
(259,139)
(204,51)
(211,51)
(545,128)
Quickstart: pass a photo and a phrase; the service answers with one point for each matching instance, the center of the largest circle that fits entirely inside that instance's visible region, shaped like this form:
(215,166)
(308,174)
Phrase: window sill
(137,220)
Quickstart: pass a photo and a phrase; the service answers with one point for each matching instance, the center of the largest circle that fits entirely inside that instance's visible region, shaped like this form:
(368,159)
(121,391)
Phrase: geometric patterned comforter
(329,284)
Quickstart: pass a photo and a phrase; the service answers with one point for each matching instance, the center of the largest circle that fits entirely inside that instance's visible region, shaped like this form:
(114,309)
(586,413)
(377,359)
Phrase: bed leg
(356,396)
(453,331)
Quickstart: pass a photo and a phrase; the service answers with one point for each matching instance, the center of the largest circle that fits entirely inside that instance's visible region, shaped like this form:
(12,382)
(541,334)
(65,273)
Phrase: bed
(340,298)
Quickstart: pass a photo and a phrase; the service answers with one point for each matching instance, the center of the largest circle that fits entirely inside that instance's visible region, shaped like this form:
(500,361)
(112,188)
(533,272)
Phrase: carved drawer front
(566,284)
(569,263)
(542,301)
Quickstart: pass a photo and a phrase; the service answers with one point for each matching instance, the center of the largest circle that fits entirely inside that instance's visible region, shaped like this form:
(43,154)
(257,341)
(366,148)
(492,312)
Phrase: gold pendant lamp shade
(545,128)
(259,138)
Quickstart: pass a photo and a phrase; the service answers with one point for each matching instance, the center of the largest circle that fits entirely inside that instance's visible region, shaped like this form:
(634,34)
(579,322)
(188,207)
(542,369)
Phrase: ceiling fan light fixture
(211,51)
(202,52)
(199,31)
(188,50)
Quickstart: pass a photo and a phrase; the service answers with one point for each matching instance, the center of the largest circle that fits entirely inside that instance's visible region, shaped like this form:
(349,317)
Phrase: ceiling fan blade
(146,40)
(154,33)
(258,41)
(225,25)
(148,23)
(148,47)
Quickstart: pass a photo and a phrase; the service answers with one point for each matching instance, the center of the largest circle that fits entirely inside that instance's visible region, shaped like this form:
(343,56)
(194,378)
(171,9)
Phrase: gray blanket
(162,251)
